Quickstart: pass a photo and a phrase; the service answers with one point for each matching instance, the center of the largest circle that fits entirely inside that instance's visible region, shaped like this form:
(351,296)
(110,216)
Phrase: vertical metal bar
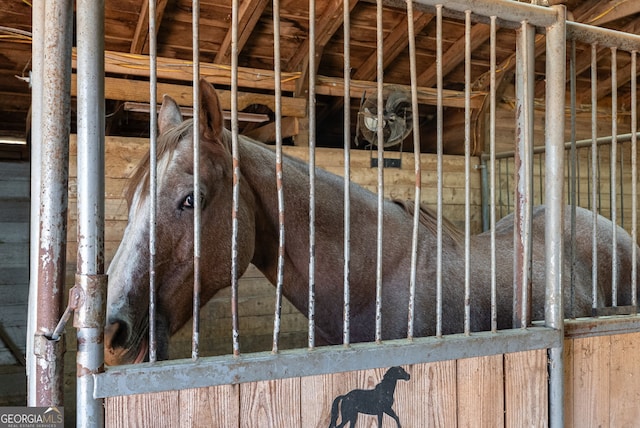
(572,170)
(634,180)
(612,174)
(439,169)
(417,168)
(467,168)
(312,170)
(90,315)
(492,168)
(197,208)
(153,178)
(346,25)
(594,176)
(380,125)
(279,183)
(554,216)
(236,178)
(37,76)
(523,173)
(54,180)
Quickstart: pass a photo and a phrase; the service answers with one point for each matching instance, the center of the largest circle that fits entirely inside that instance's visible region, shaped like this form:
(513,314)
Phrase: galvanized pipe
(594,176)
(90,279)
(492,175)
(312,172)
(277,68)
(634,180)
(572,170)
(417,167)
(54,167)
(380,135)
(525,61)
(37,64)
(153,178)
(197,206)
(613,178)
(236,178)
(554,215)
(346,25)
(439,168)
(467,172)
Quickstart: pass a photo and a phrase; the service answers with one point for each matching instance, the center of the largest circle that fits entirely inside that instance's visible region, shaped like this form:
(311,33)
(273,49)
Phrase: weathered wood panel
(450,393)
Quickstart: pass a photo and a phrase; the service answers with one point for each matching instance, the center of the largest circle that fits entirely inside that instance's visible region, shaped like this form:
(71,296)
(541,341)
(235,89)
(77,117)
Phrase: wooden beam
(267,133)
(140,41)
(455,55)
(181,70)
(249,15)
(334,86)
(608,11)
(394,44)
(330,21)
(138,91)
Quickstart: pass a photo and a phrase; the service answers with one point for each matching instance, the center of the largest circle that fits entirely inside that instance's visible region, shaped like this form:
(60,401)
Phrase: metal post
(37,61)
(91,282)
(554,216)
(525,40)
(54,170)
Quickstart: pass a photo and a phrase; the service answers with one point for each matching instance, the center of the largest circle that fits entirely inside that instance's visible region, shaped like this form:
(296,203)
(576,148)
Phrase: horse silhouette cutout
(376,401)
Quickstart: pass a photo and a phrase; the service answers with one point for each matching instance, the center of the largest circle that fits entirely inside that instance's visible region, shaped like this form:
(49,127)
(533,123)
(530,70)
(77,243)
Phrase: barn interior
(127,99)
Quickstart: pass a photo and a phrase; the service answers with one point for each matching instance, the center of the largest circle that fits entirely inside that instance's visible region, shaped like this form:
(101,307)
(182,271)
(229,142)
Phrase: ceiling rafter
(454,55)
(249,15)
(140,40)
(603,12)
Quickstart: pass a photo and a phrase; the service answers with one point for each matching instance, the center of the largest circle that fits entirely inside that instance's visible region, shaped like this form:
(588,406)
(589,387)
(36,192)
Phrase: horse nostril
(116,334)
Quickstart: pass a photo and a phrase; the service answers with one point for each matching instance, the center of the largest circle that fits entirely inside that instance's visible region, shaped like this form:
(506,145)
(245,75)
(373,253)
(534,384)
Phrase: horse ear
(211,119)
(169,116)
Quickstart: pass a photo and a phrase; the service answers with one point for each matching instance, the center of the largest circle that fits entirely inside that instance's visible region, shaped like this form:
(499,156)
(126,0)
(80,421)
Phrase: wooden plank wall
(502,390)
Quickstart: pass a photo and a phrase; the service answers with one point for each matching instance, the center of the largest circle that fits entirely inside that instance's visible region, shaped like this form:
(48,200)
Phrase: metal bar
(613,178)
(634,180)
(153,178)
(594,176)
(439,169)
(554,199)
(92,283)
(212,371)
(312,170)
(279,182)
(236,178)
(346,24)
(525,39)
(197,206)
(36,81)
(467,172)
(508,11)
(572,172)
(603,36)
(380,135)
(492,176)
(417,166)
(54,168)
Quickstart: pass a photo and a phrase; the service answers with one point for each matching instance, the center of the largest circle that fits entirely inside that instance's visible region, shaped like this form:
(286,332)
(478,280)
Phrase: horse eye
(189,202)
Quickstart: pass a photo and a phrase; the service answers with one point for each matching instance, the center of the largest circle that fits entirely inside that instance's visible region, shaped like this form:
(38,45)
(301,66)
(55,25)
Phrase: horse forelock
(168,143)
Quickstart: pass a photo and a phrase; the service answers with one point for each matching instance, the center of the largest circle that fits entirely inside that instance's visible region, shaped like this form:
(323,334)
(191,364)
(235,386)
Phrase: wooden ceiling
(127,71)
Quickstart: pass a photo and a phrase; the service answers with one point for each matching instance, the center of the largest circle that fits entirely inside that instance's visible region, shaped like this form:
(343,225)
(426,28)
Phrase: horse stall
(319,302)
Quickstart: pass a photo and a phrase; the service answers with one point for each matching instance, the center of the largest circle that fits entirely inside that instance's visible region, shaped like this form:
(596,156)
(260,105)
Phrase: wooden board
(450,393)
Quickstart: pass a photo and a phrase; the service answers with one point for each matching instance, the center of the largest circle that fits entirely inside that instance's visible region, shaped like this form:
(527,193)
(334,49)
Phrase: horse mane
(429,219)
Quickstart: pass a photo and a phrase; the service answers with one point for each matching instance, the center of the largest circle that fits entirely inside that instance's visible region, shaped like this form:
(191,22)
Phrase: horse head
(127,326)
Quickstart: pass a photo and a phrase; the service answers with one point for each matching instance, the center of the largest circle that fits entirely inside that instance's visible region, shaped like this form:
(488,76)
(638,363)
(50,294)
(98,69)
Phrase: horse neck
(387,385)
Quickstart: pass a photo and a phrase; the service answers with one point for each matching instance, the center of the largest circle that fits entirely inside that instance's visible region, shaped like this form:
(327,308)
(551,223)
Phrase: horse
(376,401)
(127,321)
